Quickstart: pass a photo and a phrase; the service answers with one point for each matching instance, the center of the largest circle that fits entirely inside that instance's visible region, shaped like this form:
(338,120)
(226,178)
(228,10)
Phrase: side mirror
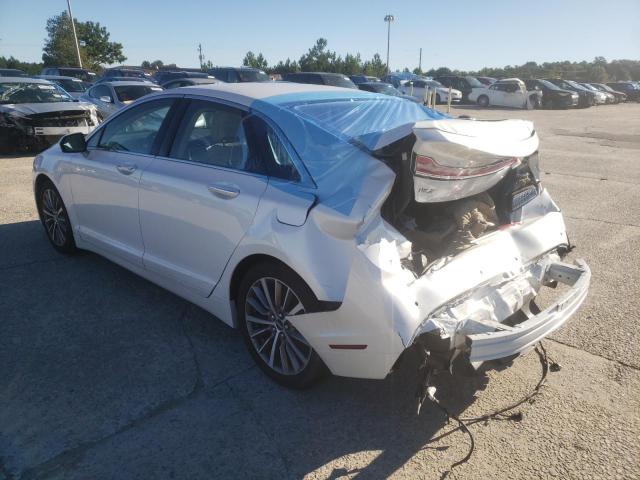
(106,99)
(73,143)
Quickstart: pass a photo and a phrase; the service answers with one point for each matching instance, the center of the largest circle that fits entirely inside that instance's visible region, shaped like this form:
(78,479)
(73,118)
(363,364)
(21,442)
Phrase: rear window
(338,81)
(129,93)
(253,76)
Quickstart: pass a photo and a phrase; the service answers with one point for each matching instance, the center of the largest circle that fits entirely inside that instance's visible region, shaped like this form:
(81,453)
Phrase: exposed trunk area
(445,228)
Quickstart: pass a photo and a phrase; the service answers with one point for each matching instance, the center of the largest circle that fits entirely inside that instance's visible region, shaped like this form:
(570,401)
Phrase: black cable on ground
(501,414)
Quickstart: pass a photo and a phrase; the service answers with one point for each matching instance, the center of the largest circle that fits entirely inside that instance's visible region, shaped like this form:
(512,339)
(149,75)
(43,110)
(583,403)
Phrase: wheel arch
(241,269)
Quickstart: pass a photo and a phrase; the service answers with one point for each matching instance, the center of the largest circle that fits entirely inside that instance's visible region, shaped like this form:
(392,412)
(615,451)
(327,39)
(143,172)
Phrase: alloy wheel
(55,219)
(269,304)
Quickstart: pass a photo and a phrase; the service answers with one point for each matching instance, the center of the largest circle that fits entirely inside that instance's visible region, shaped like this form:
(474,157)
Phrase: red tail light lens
(428,167)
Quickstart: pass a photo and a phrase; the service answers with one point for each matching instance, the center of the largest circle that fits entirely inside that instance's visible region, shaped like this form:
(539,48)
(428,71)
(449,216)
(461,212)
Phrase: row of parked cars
(36,111)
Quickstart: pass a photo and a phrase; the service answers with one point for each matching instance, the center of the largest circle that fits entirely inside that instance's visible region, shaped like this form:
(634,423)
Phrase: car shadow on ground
(96,363)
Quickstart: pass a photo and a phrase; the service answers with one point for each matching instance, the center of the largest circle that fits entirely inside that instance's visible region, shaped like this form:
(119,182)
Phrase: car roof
(275,93)
(60,77)
(127,83)
(24,80)
(509,80)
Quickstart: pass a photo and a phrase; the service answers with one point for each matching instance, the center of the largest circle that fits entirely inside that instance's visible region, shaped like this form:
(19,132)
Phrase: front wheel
(483,101)
(53,215)
(269,296)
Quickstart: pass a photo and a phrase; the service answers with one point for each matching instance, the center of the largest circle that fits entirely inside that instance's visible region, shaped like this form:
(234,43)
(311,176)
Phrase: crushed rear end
(454,256)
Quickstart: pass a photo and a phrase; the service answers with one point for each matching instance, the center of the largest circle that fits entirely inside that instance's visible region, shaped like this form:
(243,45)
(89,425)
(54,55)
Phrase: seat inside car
(216,138)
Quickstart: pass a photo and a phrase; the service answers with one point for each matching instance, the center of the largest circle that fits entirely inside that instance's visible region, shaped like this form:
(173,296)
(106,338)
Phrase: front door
(197,201)
(105,179)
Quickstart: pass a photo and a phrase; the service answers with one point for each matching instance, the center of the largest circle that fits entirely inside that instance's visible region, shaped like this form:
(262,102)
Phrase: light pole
(388,18)
(75,37)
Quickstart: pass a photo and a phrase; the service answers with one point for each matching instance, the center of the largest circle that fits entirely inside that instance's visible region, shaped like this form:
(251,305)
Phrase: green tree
(250,60)
(95,47)
(318,58)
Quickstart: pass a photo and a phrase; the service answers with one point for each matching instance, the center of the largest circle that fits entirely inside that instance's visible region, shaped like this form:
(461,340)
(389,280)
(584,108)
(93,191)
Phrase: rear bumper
(504,343)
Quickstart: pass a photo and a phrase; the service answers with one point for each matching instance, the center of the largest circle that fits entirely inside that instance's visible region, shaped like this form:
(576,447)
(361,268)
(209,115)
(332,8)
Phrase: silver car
(335,228)
(109,97)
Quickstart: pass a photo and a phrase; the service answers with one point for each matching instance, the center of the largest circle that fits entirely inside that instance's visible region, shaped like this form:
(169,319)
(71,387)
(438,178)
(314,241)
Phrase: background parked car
(239,74)
(188,82)
(464,84)
(72,85)
(320,78)
(35,113)
(510,92)
(357,79)
(81,73)
(552,95)
(109,97)
(628,88)
(12,72)
(586,98)
(418,88)
(619,96)
(385,89)
(601,97)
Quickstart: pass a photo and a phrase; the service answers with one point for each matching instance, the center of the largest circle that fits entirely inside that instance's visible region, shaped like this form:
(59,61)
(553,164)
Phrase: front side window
(136,130)
(213,134)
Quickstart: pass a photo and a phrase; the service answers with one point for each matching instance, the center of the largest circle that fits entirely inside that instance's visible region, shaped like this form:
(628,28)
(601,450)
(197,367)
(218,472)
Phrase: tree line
(97,50)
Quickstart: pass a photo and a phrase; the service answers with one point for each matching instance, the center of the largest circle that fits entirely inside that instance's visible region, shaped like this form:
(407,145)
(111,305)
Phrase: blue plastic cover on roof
(334,133)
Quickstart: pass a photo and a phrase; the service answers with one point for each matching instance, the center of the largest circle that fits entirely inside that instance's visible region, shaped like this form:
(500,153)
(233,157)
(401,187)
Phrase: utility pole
(388,18)
(200,56)
(75,37)
(420,61)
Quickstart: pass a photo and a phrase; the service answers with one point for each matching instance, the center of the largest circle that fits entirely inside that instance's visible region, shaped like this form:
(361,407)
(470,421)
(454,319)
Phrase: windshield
(71,85)
(364,121)
(435,84)
(129,93)
(253,76)
(32,93)
(549,85)
(474,82)
(385,88)
(575,85)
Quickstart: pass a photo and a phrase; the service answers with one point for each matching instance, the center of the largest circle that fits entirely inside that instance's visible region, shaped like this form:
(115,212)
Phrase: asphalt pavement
(104,375)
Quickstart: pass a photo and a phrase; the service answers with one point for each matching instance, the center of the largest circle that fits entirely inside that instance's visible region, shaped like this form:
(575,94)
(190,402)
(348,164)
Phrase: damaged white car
(336,228)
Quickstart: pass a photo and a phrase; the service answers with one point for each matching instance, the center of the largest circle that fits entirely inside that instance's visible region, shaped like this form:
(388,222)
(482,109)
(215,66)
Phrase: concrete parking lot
(105,375)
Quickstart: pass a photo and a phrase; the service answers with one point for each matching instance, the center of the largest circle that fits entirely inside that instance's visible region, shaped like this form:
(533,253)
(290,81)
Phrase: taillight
(428,167)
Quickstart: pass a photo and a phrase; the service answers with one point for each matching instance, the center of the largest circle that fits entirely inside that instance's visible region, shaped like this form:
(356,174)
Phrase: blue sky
(464,34)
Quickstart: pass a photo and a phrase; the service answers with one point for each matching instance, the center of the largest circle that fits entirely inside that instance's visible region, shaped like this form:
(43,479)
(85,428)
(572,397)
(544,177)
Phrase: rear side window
(213,134)
(136,130)
(268,147)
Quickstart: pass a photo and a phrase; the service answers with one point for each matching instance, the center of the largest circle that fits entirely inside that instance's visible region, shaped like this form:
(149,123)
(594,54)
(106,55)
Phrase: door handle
(226,191)
(127,169)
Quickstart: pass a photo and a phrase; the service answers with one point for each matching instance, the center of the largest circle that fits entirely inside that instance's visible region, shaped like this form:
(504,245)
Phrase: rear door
(199,197)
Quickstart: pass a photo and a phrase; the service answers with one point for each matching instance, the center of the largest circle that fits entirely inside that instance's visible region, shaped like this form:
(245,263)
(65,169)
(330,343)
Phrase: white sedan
(510,92)
(304,216)
(418,89)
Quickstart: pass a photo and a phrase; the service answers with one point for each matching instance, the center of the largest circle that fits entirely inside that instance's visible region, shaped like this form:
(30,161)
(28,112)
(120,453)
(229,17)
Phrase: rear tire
(55,219)
(483,101)
(268,295)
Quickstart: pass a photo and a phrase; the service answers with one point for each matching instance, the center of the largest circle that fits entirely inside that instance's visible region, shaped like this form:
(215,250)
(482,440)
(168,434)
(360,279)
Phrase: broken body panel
(476,297)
